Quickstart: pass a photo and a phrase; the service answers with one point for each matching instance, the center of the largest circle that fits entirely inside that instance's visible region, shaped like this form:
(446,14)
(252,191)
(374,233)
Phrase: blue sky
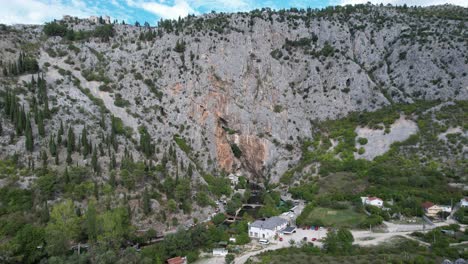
(40,11)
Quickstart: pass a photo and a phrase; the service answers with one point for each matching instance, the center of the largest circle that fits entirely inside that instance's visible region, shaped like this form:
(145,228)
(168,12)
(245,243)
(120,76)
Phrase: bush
(362,141)
(236,150)
(361,151)
(276,54)
(55,29)
(104,32)
(182,144)
(278,108)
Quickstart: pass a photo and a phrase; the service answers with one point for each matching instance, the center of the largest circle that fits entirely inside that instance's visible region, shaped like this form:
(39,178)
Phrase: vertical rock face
(255,153)
(259,80)
(224,154)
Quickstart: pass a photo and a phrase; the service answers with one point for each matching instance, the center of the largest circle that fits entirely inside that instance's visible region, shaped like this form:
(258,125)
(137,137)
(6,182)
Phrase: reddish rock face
(224,153)
(254,153)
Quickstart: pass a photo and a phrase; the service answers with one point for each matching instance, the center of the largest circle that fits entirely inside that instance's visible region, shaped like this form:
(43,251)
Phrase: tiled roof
(176,260)
(427,205)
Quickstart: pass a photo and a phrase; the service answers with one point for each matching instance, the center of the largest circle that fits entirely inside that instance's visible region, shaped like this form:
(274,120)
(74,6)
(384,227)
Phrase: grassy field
(335,217)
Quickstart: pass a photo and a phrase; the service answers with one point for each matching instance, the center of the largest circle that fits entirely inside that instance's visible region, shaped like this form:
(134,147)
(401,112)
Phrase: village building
(372,200)
(267,228)
(220,252)
(433,210)
(177,260)
(96,19)
(464,202)
(234,179)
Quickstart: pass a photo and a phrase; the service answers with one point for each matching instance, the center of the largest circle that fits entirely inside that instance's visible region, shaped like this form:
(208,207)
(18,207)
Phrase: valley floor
(361,238)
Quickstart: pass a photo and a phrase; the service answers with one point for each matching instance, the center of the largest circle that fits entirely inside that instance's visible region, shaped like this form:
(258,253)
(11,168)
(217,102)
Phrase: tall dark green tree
(84,141)
(145,142)
(60,133)
(29,135)
(94,161)
(40,124)
(70,140)
(146,202)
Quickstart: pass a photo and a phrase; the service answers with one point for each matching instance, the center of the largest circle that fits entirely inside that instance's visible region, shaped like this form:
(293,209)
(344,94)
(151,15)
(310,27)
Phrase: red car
(314,239)
(280,239)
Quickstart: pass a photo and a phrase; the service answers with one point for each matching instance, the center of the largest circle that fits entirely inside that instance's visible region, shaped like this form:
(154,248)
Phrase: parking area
(313,236)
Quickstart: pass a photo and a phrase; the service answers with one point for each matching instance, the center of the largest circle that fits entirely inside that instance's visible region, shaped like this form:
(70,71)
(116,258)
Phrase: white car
(264,241)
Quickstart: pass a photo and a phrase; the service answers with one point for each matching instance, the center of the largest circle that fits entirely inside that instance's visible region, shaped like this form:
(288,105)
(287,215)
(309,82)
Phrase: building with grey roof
(267,228)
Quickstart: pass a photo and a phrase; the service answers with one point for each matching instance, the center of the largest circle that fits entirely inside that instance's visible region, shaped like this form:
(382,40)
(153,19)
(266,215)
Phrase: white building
(234,179)
(267,228)
(372,200)
(220,252)
(94,19)
(464,202)
(446,208)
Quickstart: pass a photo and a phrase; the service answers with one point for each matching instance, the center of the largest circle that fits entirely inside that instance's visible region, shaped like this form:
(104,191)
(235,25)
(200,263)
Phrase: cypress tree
(29,135)
(44,158)
(40,124)
(60,133)
(52,146)
(102,123)
(69,158)
(146,202)
(70,140)
(94,161)
(1,127)
(57,161)
(84,141)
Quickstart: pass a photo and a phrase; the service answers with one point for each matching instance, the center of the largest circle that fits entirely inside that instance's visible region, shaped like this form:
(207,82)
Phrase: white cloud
(39,11)
(230,5)
(408,2)
(180,8)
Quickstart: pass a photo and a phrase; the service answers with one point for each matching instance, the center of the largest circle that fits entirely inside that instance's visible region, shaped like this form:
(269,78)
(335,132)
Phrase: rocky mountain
(223,92)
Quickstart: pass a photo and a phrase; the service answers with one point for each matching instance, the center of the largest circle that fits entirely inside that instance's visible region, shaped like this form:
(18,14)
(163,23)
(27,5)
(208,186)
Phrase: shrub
(104,32)
(362,141)
(236,150)
(182,144)
(55,29)
(278,108)
(276,54)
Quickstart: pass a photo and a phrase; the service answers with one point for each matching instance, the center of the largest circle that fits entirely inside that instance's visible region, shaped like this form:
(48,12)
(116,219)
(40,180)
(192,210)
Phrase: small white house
(220,252)
(464,202)
(372,200)
(234,179)
(267,228)
(446,208)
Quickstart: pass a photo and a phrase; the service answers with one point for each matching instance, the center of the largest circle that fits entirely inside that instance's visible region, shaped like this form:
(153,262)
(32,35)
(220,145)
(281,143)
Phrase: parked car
(264,241)
(314,239)
(280,239)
